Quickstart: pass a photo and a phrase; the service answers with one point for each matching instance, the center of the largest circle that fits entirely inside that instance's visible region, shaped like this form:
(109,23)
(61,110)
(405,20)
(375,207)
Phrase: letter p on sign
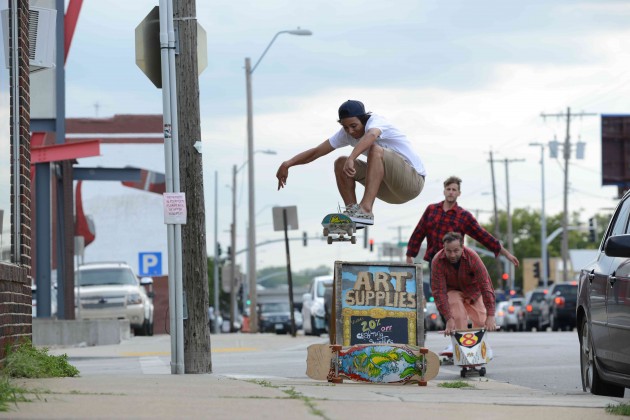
(150,263)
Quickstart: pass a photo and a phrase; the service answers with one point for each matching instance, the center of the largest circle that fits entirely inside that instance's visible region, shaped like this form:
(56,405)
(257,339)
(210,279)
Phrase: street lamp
(543,220)
(232,255)
(251,232)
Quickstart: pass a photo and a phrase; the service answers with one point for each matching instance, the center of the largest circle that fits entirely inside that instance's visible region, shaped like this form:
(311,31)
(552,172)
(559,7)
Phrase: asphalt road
(539,360)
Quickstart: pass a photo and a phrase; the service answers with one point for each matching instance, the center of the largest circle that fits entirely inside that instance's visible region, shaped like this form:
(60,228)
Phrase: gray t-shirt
(390,138)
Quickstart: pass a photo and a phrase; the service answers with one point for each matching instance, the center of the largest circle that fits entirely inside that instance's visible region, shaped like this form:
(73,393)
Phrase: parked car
(531,312)
(603,310)
(276,317)
(508,314)
(558,309)
(111,290)
(313,310)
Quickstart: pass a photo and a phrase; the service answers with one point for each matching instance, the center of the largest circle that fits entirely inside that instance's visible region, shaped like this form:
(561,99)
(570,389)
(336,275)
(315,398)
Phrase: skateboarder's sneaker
(357,215)
(448,351)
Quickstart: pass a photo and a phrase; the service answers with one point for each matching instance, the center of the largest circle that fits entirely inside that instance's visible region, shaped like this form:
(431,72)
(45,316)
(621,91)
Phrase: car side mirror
(147,282)
(618,246)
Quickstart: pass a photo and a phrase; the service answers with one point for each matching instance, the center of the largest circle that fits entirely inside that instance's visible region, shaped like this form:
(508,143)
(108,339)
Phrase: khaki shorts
(401,181)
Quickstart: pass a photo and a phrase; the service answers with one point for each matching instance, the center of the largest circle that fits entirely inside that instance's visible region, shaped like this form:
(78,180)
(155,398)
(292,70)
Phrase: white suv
(313,311)
(111,290)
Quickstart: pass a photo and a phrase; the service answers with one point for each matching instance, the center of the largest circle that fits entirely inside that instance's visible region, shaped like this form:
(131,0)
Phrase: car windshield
(537,297)
(275,307)
(105,276)
(566,290)
(321,287)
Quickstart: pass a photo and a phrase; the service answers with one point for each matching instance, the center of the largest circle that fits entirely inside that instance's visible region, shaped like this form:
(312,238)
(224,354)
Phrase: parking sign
(150,263)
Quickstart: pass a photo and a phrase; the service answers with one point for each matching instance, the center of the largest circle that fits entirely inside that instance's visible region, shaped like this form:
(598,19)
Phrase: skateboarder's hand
(282,174)
(450,326)
(491,324)
(348,168)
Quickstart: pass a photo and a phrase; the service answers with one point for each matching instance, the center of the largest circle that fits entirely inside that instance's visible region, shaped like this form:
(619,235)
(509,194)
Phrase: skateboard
(470,351)
(375,363)
(339,227)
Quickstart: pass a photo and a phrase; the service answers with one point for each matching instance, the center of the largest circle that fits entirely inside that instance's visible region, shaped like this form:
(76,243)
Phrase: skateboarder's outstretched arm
(302,158)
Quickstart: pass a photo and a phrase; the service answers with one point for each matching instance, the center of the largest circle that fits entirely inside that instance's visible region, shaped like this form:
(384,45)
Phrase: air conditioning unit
(41,38)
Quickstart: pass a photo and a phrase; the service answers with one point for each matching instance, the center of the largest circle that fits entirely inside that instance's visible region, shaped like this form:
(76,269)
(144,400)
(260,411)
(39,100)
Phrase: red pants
(462,309)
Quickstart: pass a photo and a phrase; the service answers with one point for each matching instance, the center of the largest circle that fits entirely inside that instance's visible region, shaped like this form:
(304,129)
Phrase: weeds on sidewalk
(26,361)
(619,410)
(455,384)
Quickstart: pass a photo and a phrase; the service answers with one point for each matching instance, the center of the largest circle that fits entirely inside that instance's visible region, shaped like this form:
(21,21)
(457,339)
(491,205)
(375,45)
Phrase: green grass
(619,410)
(455,384)
(26,361)
(30,362)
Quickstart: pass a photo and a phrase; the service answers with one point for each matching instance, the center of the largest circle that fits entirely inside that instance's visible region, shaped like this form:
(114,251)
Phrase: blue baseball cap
(351,108)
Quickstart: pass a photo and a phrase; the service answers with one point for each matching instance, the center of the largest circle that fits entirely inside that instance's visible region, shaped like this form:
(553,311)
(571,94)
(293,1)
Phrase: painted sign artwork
(379,304)
(470,348)
(379,363)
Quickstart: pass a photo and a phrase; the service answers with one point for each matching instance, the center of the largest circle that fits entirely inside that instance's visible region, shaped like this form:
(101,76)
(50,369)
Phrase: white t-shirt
(390,138)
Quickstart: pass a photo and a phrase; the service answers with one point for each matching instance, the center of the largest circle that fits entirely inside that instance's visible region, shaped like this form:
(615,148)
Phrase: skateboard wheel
(335,347)
(353,240)
(422,383)
(326,231)
(482,371)
(330,240)
(462,373)
(424,350)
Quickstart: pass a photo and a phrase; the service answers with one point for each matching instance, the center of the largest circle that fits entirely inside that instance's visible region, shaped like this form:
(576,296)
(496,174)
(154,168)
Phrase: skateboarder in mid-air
(393,171)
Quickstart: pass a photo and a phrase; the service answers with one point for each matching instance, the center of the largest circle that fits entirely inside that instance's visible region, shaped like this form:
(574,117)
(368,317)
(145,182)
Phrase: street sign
(148,54)
(278,218)
(226,272)
(150,263)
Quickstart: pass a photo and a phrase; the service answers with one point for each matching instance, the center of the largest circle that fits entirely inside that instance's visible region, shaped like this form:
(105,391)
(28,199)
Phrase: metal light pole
(251,237)
(543,218)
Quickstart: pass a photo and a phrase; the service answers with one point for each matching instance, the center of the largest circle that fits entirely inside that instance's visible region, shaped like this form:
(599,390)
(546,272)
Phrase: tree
(194,256)
(526,224)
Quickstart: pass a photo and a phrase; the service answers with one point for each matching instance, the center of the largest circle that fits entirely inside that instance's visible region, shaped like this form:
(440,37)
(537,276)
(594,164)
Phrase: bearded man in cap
(393,171)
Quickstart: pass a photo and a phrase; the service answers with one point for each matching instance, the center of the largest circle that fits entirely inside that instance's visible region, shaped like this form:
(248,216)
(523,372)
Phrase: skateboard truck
(335,378)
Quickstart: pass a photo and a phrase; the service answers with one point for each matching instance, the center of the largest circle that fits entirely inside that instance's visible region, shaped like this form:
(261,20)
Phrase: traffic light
(218,250)
(505,277)
(229,252)
(304,238)
(592,229)
(537,269)
(371,245)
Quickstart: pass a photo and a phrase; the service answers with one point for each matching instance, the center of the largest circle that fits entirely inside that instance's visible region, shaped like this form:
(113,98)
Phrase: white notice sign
(174,208)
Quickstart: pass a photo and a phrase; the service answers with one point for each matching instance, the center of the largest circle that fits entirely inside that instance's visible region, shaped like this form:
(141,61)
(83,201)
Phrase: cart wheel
(422,383)
(482,371)
(330,240)
(337,380)
(326,231)
(462,373)
(353,239)
(335,347)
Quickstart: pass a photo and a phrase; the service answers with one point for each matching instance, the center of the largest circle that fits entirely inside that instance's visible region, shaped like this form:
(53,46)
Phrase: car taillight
(529,308)
(559,301)
(434,316)
(511,309)
(500,313)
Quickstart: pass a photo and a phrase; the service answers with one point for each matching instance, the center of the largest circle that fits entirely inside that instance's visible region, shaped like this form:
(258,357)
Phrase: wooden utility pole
(565,212)
(194,256)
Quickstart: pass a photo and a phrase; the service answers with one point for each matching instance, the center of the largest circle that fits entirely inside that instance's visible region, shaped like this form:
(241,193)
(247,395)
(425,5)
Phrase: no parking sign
(150,263)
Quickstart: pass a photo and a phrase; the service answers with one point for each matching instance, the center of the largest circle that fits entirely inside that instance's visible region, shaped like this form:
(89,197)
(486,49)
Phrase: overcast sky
(460,78)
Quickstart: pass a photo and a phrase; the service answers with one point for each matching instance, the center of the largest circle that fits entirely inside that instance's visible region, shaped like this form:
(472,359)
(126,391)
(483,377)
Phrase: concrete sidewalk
(141,395)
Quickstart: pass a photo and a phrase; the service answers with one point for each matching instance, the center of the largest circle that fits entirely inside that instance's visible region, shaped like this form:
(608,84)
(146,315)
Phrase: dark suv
(603,312)
(531,312)
(557,310)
